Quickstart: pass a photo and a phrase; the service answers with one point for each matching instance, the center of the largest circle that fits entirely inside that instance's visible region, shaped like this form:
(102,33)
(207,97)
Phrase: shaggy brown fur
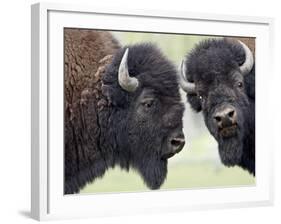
(84,50)
(87,52)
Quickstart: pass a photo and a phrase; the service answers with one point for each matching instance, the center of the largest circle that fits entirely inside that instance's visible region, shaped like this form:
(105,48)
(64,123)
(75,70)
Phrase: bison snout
(225,116)
(175,145)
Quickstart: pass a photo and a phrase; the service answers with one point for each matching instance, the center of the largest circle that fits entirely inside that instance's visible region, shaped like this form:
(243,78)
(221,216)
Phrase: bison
(219,79)
(122,107)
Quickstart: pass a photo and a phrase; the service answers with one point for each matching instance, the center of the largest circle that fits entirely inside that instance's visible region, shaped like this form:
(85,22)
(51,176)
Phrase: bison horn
(187,86)
(246,67)
(127,83)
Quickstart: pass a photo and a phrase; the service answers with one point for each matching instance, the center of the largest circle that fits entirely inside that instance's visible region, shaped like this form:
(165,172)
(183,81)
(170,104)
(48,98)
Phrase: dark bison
(123,109)
(219,78)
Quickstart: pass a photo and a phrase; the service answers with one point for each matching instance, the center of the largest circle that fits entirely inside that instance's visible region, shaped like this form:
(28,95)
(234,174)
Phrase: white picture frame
(48,201)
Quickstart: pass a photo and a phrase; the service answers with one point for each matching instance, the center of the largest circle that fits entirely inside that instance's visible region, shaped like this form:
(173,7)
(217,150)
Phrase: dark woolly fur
(213,66)
(114,127)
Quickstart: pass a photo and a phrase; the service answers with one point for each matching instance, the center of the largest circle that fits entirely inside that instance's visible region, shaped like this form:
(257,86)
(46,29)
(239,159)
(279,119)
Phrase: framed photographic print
(148,111)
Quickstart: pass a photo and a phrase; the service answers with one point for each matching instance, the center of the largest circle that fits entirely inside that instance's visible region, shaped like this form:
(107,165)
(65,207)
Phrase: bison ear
(195,102)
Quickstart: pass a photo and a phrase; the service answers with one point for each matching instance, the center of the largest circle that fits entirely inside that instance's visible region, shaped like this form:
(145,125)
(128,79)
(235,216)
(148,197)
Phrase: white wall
(15,110)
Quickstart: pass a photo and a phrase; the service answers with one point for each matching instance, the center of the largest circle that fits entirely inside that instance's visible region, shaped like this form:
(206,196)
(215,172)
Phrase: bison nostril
(231,113)
(177,141)
(217,118)
(177,144)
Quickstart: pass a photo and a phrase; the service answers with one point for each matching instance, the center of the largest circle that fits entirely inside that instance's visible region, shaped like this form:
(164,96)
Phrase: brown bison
(122,107)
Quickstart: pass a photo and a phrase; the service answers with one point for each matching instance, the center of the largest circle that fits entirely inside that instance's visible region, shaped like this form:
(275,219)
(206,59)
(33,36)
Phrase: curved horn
(187,86)
(127,83)
(247,66)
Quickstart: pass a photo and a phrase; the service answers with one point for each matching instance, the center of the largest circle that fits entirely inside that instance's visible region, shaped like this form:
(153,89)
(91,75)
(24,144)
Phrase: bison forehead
(214,57)
(149,65)
(143,59)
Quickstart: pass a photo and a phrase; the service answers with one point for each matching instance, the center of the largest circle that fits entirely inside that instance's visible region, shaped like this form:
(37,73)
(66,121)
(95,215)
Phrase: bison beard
(231,149)
(108,123)
(153,171)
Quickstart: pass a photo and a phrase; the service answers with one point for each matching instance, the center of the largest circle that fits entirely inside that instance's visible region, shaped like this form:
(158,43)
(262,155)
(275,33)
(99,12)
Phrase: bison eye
(147,103)
(240,84)
(200,97)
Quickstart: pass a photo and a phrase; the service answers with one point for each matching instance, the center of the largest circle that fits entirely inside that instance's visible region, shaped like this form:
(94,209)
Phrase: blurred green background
(198,164)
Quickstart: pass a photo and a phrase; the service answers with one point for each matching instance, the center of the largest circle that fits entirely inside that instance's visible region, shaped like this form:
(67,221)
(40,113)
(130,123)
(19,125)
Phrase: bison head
(141,85)
(215,76)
